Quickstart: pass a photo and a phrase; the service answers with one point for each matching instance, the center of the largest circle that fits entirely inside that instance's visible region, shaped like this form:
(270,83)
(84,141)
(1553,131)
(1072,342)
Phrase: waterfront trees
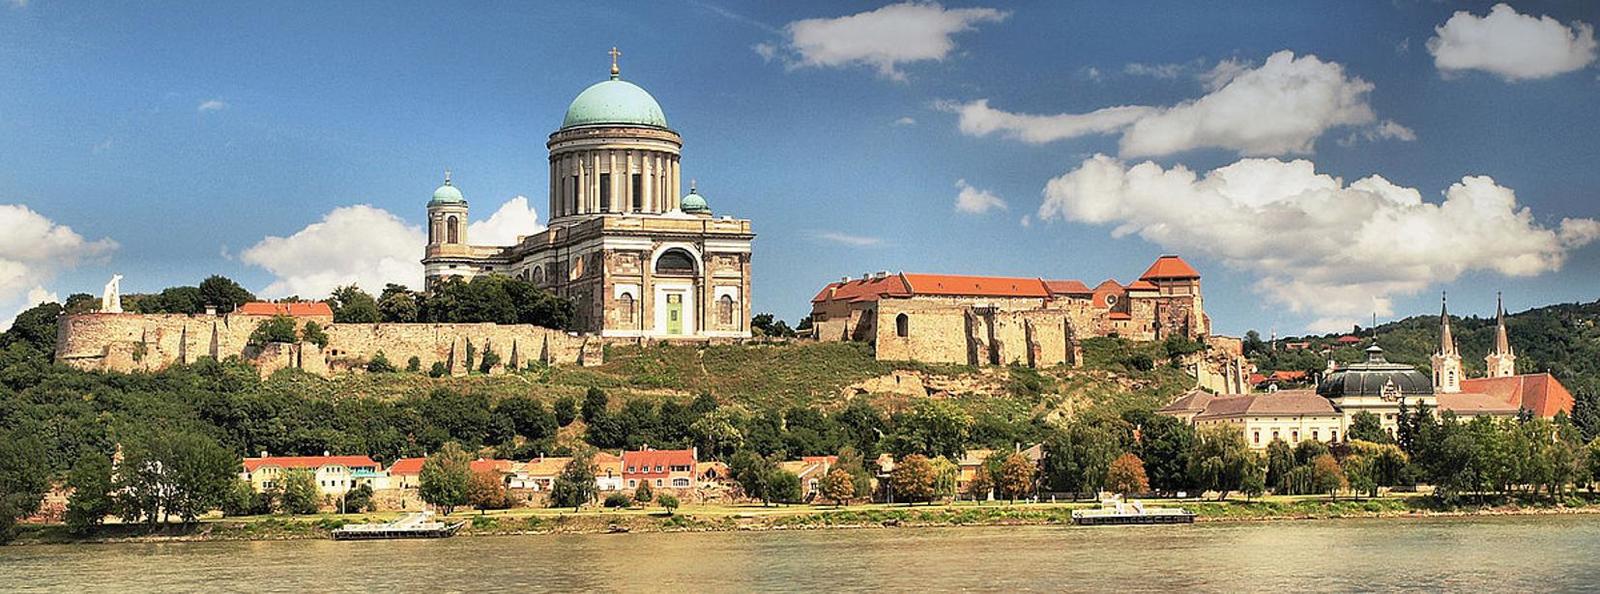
(179,473)
(837,486)
(486,490)
(90,502)
(444,478)
(1016,477)
(1221,460)
(1126,476)
(24,473)
(575,486)
(1077,457)
(912,479)
(299,495)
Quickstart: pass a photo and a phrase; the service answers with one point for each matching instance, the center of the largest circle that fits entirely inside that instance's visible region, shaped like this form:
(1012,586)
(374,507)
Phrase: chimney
(325,453)
(263,453)
(694,452)
(881,274)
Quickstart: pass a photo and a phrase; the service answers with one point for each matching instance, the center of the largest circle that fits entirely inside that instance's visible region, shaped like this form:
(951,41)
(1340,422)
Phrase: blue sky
(168,141)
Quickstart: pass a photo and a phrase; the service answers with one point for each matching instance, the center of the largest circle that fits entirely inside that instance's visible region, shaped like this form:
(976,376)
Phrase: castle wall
(147,342)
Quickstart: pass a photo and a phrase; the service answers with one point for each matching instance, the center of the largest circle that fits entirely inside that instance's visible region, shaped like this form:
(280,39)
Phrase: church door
(674,314)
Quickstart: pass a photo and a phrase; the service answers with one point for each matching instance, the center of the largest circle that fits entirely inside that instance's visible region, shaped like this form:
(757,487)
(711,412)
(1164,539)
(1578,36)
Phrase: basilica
(638,257)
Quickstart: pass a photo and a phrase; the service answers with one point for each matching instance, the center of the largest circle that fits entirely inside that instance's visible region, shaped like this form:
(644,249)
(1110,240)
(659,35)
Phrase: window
(1295,437)
(605,192)
(658,468)
(902,326)
(1274,434)
(538,274)
(572,196)
(680,483)
(725,310)
(675,261)
(1256,437)
(452,229)
(1314,434)
(638,192)
(625,305)
(658,482)
(1333,435)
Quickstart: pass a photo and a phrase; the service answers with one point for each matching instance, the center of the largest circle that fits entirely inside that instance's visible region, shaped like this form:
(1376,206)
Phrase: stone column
(593,203)
(553,197)
(646,161)
(674,195)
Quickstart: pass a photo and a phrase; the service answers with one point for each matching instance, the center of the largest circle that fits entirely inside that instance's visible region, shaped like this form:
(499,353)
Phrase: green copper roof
(614,101)
(694,203)
(447,194)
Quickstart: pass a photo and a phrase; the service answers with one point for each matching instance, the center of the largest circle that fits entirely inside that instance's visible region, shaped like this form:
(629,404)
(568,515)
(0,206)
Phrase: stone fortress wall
(127,342)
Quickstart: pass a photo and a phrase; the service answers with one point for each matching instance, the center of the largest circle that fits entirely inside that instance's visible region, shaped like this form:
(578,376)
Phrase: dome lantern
(447,193)
(694,203)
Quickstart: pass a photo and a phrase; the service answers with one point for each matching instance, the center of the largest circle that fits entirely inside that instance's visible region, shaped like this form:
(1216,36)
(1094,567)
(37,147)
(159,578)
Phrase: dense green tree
(351,305)
(1016,477)
(931,428)
(643,495)
(1078,457)
(669,502)
(862,426)
(1327,476)
(753,473)
(1280,462)
(380,364)
(275,329)
(764,324)
(300,494)
(91,501)
(566,410)
(34,328)
(528,417)
(912,479)
(594,404)
(78,303)
(358,500)
(24,477)
(717,434)
(851,461)
(223,293)
(784,487)
(1221,460)
(398,305)
(314,334)
(946,478)
(1163,447)
(174,473)
(444,478)
(1366,426)
(575,486)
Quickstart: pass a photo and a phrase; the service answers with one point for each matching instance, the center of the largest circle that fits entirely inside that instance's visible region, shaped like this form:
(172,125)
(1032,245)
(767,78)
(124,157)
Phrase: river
(1498,554)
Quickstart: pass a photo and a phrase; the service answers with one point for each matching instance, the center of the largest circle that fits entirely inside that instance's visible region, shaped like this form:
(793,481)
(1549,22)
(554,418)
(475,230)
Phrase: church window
(605,192)
(625,304)
(452,229)
(902,326)
(638,192)
(675,261)
(433,232)
(572,196)
(538,274)
(725,310)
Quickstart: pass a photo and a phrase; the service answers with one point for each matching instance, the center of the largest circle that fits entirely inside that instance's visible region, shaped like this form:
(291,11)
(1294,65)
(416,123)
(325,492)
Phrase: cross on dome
(615,53)
(447,177)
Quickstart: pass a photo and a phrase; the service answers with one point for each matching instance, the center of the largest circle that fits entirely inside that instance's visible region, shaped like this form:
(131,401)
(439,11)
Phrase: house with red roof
(661,469)
(998,320)
(334,475)
(312,310)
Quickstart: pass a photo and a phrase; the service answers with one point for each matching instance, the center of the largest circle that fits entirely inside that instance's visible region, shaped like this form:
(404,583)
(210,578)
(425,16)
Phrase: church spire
(1502,361)
(1447,340)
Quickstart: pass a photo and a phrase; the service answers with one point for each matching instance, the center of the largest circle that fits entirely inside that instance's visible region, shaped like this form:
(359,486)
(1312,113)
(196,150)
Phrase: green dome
(447,194)
(614,101)
(694,203)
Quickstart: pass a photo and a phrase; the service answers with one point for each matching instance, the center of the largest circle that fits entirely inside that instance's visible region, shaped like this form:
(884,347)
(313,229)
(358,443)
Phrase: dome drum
(1375,377)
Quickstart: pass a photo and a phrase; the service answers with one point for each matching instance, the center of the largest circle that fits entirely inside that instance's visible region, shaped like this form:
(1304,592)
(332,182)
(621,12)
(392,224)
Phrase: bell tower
(1502,361)
(1446,361)
(447,234)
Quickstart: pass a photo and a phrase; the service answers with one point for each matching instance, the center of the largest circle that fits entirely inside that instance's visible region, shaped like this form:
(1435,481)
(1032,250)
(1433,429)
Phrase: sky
(1319,163)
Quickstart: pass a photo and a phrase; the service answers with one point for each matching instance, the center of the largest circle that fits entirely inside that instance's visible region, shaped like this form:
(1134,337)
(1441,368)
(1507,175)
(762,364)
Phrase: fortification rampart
(126,342)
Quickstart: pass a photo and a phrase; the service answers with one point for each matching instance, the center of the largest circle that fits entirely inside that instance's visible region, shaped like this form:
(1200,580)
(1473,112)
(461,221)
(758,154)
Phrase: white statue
(111,300)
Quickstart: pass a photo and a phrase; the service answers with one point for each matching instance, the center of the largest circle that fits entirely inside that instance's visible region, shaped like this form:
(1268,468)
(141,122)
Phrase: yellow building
(334,475)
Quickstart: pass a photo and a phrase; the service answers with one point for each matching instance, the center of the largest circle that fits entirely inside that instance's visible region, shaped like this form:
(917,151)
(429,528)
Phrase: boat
(1116,512)
(417,525)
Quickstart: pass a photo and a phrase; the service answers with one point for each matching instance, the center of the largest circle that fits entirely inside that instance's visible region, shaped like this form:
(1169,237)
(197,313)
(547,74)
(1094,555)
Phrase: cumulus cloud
(36,296)
(847,239)
(211,105)
(1163,71)
(360,245)
(33,249)
(1317,245)
(1510,45)
(1280,107)
(883,39)
(516,218)
(975,201)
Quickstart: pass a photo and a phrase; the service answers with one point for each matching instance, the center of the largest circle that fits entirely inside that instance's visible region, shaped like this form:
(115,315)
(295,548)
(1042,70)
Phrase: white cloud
(884,39)
(36,296)
(1092,73)
(847,239)
(1314,243)
(369,247)
(906,121)
(33,249)
(516,218)
(1280,107)
(975,201)
(1385,130)
(212,105)
(1511,45)
(767,51)
(1162,71)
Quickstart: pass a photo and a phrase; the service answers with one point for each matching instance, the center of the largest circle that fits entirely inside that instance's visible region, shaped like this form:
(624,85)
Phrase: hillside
(1561,339)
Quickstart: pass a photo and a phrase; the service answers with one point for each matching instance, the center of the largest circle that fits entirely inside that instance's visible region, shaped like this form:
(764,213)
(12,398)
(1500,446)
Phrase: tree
(444,478)
(1327,476)
(912,479)
(313,334)
(1078,456)
(24,477)
(981,485)
(1371,466)
(575,486)
(486,490)
(358,500)
(1015,479)
(566,410)
(90,502)
(351,305)
(1280,462)
(489,360)
(1366,426)
(643,495)
(669,501)
(946,476)
(173,473)
(594,404)
(439,369)
(932,428)
(34,328)
(836,486)
(398,305)
(753,473)
(1221,460)
(1126,476)
(380,364)
(241,499)
(224,294)
(528,417)
(1164,448)
(274,329)
(300,495)
(851,461)
(414,364)
(617,500)
(784,487)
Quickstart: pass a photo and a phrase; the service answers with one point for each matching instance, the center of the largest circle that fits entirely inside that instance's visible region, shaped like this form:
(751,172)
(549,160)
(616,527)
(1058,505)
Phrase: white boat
(417,525)
(1116,512)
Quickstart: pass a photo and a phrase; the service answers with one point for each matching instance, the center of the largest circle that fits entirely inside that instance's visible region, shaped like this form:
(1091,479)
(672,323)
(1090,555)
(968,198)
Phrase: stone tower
(448,253)
(1446,361)
(1502,361)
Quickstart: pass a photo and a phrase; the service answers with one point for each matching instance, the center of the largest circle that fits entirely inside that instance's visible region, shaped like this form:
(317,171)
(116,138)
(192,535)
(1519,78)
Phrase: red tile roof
(1348,339)
(1141,285)
(480,465)
(1120,315)
(978,286)
(1170,267)
(251,464)
(1068,287)
(1467,404)
(1282,402)
(643,463)
(406,466)
(1539,393)
(863,289)
(302,309)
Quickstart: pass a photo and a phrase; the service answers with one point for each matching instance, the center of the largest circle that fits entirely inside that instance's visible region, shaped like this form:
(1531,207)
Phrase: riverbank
(799,517)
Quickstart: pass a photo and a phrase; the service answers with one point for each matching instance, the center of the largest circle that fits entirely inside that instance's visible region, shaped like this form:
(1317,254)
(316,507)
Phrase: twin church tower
(1500,362)
(637,256)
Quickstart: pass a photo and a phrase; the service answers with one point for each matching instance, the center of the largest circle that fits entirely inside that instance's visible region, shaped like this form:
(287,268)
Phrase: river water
(1504,554)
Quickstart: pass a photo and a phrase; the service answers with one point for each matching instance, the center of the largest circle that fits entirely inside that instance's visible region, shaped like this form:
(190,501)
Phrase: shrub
(669,501)
(380,364)
(439,369)
(274,329)
(414,364)
(490,359)
(313,334)
(618,499)
(643,494)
